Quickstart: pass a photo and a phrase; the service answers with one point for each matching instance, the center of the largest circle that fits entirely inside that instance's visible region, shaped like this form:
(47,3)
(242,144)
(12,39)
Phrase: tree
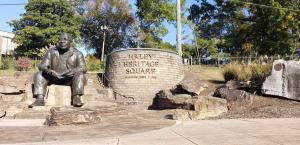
(268,26)
(204,46)
(188,50)
(42,23)
(214,20)
(115,14)
(274,29)
(151,15)
(207,46)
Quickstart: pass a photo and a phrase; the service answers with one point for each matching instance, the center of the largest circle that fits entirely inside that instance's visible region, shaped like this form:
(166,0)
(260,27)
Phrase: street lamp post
(178,22)
(103,28)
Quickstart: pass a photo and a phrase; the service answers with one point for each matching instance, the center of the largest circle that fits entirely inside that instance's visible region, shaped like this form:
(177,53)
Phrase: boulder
(283,80)
(166,100)
(12,85)
(204,107)
(185,98)
(72,116)
(236,84)
(192,86)
(231,94)
(237,99)
(8,86)
(189,107)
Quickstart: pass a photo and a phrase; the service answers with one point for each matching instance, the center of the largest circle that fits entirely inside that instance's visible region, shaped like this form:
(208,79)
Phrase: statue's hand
(53,73)
(69,74)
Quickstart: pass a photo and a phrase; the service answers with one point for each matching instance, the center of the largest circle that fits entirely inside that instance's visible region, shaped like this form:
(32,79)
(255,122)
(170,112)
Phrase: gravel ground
(262,107)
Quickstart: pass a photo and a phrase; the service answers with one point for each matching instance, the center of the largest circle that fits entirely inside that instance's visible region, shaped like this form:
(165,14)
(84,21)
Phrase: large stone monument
(140,73)
(61,65)
(284,80)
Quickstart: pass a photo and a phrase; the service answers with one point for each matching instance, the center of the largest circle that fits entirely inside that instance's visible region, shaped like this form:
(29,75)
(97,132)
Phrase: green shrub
(34,63)
(259,73)
(245,73)
(8,63)
(94,64)
(231,71)
(256,73)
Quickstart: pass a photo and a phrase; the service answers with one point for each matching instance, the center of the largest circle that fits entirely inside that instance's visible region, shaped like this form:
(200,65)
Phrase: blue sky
(12,12)
(8,13)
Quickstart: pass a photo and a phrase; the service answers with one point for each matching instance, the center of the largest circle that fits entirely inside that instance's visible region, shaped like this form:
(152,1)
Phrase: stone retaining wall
(141,73)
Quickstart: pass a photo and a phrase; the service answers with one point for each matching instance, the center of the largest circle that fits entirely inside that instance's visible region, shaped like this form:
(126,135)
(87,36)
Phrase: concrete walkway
(283,131)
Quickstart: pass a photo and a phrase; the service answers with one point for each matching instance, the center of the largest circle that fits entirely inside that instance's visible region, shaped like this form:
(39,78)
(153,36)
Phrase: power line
(17,4)
(266,6)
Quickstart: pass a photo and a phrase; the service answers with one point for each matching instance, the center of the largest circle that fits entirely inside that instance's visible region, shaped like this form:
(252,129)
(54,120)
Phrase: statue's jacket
(74,61)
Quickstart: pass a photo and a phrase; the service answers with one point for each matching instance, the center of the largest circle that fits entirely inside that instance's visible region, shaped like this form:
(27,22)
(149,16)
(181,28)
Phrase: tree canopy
(151,15)
(239,27)
(42,23)
(116,16)
(249,27)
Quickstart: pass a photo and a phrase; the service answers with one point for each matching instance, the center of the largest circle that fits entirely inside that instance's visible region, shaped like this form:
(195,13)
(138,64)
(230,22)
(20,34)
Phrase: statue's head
(64,41)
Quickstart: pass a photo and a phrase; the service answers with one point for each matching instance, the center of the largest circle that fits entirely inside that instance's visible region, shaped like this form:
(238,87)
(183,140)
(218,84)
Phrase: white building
(6,45)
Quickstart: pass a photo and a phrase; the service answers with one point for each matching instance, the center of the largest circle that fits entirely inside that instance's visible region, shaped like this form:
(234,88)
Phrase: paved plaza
(282,131)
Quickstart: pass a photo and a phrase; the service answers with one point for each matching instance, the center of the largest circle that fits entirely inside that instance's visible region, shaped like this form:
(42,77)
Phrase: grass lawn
(205,72)
(7,72)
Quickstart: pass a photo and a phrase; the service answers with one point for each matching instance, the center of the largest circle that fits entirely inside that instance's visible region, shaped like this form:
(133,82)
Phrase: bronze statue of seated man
(62,65)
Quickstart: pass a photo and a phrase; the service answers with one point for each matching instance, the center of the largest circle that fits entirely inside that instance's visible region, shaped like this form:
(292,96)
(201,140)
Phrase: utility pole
(103,28)
(178,36)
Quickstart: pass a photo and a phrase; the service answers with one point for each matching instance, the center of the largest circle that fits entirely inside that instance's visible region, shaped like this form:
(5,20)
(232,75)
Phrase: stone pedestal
(58,95)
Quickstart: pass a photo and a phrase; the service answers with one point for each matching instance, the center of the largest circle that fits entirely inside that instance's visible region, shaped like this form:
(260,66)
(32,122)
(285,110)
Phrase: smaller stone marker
(72,116)
(283,80)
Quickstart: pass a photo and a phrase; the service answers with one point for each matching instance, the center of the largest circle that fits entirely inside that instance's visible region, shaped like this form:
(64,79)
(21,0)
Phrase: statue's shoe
(37,102)
(76,102)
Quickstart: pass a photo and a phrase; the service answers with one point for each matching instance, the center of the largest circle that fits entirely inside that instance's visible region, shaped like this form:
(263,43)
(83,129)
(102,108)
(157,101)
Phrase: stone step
(12,97)
(90,82)
(107,92)
(11,112)
(90,87)
(97,97)
(31,114)
(96,104)
(90,91)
